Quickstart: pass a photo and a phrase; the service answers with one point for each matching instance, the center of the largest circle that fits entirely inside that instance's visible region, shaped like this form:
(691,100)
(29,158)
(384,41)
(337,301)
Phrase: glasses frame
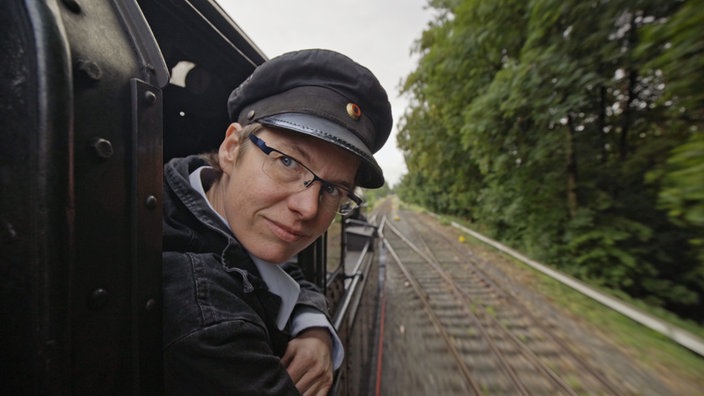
(266,149)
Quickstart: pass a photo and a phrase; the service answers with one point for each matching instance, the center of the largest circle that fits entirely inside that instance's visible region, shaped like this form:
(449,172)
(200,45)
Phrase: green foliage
(570,130)
(675,47)
(682,193)
(599,249)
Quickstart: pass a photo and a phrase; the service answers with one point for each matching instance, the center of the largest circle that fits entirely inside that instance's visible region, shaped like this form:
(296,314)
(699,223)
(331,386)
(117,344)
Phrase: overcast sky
(378,34)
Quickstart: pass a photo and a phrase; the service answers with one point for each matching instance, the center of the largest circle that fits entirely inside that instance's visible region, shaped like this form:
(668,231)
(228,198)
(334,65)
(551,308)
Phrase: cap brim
(369,175)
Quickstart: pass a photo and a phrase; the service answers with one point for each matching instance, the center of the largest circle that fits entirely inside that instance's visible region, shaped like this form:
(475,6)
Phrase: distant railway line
(487,340)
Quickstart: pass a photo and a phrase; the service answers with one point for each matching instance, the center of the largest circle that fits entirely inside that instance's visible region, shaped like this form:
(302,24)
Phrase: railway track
(491,342)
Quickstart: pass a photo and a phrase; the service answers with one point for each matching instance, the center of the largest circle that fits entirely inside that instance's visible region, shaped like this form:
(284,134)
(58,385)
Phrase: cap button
(354,111)
(250,115)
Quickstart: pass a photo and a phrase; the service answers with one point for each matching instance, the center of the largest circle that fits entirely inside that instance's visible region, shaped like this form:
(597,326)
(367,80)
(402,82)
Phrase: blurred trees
(371,196)
(571,130)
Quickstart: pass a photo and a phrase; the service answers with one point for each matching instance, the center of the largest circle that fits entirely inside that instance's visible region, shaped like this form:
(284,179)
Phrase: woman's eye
(332,190)
(288,162)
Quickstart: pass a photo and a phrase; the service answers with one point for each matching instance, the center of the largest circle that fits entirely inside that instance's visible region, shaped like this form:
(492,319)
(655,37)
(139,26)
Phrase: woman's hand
(308,361)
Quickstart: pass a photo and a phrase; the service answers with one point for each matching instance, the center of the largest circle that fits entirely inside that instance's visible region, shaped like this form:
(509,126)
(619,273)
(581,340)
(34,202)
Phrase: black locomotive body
(94,97)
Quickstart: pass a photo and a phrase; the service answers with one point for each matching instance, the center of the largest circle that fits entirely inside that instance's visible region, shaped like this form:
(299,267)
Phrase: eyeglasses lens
(295,177)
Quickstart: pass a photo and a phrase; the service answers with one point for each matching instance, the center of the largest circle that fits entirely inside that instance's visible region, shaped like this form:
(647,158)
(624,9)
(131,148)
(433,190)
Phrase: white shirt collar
(281,284)
(277,280)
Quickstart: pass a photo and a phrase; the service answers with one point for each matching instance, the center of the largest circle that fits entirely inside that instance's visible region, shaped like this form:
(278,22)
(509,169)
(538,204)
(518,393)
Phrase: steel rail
(522,347)
(504,364)
(434,319)
(568,349)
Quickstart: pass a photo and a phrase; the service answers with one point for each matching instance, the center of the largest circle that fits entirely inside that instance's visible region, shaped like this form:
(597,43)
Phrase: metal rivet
(72,5)
(150,202)
(102,147)
(150,97)
(251,114)
(89,68)
(98,298)
(150,305)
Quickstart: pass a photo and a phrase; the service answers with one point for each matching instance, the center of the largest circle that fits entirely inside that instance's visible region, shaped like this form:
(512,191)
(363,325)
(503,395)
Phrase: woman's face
(272,222)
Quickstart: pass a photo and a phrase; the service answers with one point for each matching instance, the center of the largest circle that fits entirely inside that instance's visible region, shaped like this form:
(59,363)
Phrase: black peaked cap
(324,94)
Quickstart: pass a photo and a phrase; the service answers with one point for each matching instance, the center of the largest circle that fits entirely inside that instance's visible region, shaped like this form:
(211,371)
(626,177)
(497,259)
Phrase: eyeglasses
(293,175)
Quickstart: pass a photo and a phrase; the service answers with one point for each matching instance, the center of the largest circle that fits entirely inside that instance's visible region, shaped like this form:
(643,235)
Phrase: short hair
(212,157)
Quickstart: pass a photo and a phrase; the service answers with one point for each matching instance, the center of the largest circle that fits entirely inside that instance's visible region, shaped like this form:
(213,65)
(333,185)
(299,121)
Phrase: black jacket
(220,333)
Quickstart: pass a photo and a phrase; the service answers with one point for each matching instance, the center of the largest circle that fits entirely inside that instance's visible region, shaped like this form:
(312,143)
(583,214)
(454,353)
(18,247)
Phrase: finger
(317,388)
(296,372)
(323,391)
(314,381)
(287,357)
(305,383)
(311,390)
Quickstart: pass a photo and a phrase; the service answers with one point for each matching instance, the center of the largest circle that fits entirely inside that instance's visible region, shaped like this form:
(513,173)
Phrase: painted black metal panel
(80,146)
(35,198)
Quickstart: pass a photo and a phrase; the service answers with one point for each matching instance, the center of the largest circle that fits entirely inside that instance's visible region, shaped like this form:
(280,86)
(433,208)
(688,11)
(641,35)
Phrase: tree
(539,122)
